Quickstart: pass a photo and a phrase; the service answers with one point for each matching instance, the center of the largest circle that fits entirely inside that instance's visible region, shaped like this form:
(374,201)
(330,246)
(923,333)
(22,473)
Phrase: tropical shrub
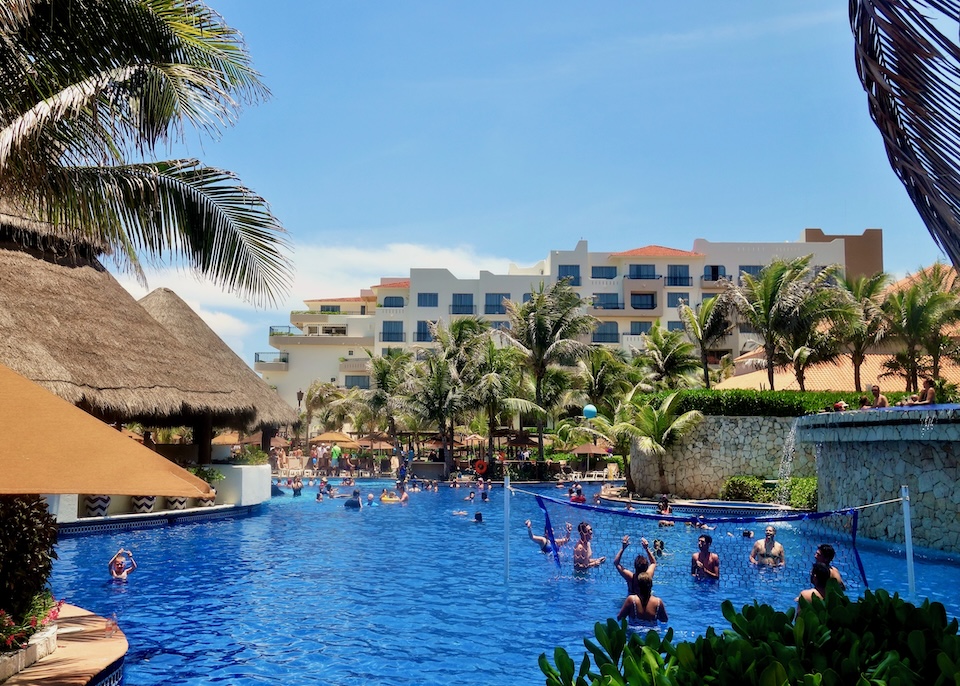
(749,489)
(802,492)
(250,454)
(208,474)
(28,534)
(14,634)
(879,639)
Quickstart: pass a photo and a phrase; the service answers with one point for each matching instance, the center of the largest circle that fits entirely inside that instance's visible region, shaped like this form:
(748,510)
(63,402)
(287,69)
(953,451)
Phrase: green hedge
(877,640)
(799,492)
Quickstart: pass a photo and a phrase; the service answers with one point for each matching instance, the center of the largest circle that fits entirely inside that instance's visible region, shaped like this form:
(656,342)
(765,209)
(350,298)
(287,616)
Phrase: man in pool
(825,554)
(583,551)
(879,399)
(118,565)
(705,564)
(819,576)
(768,551)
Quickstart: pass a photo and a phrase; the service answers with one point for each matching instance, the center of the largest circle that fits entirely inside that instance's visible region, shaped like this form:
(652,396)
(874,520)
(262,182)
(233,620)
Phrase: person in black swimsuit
(643,606)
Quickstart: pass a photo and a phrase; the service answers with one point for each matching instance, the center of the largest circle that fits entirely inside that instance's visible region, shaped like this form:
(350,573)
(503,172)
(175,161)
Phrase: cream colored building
(626,291)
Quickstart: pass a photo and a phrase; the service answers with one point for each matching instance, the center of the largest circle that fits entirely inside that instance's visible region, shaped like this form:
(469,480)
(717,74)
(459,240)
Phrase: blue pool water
(308,592)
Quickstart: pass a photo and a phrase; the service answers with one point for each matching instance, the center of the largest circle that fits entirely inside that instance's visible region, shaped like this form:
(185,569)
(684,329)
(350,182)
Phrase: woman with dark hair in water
(643,605)
(644,563)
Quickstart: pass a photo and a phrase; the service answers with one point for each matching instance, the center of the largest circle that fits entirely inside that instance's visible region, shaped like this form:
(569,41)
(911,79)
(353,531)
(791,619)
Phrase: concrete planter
(40,645)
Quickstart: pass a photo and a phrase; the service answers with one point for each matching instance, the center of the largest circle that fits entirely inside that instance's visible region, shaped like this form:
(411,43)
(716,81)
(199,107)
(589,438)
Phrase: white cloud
(329,271)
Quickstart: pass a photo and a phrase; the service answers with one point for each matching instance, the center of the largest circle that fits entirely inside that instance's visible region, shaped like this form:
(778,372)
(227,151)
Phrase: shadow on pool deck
(88,651)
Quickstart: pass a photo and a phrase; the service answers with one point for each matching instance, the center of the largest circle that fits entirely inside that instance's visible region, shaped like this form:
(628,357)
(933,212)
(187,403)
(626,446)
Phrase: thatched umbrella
(68,325)
(186,326)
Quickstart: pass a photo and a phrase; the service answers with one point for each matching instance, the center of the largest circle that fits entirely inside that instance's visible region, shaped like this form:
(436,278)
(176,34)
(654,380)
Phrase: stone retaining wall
(721,447)
(864,457)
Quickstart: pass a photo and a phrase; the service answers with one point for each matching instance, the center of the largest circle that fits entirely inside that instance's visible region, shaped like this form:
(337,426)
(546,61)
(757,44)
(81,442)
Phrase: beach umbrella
(105,461)
(588,449)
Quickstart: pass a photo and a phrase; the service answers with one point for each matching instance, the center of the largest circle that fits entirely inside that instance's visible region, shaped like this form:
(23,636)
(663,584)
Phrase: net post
(908,541)
(506,528)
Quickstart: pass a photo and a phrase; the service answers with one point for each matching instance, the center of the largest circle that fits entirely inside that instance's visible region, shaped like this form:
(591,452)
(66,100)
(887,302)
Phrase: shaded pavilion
(69,326)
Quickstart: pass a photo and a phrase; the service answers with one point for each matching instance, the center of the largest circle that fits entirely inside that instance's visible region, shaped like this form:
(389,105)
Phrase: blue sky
(469,135)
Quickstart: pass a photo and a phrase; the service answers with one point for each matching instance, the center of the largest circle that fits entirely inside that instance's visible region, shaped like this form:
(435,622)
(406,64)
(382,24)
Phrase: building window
(714,272)
(603,272)
(643,301)
(329,308)
(643,271)
(746,329)
(393,301)
(751,269)
(493,303)
(392,332)
(500,325)
(527,297)
(349,353)
(673,299)
(679,275)
(428,300)
(607,301)
(462,304)
(423,334)
(638,328)
(356,381)
(570,272)
(606,332)
(674,325)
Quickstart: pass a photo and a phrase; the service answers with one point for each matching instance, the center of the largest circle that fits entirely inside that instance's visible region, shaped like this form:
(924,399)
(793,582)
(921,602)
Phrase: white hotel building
(626,291)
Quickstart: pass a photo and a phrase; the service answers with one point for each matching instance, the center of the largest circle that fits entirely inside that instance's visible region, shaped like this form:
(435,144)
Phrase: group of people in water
(640,604)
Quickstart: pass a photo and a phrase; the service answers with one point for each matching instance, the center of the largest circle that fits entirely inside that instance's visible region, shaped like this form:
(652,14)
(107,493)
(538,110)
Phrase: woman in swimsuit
(643,605)
(642,564)
(544,541)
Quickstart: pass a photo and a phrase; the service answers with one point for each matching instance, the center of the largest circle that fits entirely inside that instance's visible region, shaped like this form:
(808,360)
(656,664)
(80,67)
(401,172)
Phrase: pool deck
(88,652)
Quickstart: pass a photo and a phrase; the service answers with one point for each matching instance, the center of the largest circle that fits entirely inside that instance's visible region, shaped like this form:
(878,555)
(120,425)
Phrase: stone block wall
(721,447)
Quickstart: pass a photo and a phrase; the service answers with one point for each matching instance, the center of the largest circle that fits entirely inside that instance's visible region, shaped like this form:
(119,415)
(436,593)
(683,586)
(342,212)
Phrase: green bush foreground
(877,640)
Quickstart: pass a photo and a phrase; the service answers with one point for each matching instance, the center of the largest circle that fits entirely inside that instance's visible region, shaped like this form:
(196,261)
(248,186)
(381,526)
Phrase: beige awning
(51,446)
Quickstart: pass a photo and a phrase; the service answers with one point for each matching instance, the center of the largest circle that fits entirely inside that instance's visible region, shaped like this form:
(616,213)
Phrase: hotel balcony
(288,336)
(679,281)
(646,309)
(271,362)
(629,340)
(463,309)
(607,309)
(638,276)
(603,337)
(719,282)
(422,337)
(357,366)
(392,337)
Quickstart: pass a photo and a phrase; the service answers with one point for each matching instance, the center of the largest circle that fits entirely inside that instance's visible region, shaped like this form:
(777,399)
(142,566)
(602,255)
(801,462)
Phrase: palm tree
(458,344)
(768,303)
(868,326)
(706,326)
(388,372)
(319,400)
(546,330)
(603,377)
(667,357)
(658,428)
(88,90)
(433,392)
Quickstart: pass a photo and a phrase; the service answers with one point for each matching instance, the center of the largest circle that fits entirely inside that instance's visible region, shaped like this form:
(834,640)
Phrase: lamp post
(299,401)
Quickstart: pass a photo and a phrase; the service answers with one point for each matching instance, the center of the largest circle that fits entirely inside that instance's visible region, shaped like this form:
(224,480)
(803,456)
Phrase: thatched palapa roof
(68,325)
(186,326)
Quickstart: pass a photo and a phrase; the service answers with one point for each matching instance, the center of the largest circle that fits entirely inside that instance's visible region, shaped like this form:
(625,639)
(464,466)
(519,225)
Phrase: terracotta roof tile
(403,283)
(656,251)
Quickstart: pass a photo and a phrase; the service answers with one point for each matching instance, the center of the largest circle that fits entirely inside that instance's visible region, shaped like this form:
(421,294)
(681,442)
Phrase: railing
(644,277)
(722,278)
(422,337)
(271,357)
(463,309)
(285,331)
(572,280)
(494,309)
(643,306)
(608,306)
(392,337)
(606,338)
(679,280)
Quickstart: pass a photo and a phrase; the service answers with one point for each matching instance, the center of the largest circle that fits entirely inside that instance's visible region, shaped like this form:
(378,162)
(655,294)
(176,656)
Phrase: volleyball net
(673,540)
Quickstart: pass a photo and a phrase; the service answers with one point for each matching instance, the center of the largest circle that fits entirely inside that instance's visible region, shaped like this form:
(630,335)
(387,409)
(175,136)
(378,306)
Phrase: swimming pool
(314,593)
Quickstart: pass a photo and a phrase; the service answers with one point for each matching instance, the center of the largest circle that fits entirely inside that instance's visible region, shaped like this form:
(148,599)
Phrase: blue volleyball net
(674,541)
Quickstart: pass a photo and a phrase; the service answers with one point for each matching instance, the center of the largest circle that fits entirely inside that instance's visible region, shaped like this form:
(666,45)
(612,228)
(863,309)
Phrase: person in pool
(643,564)
(118,565)
(643,605)
(768,551)
(705,564)
(353,502)
(544,541)
(825,554)
(583,551)
(819,576)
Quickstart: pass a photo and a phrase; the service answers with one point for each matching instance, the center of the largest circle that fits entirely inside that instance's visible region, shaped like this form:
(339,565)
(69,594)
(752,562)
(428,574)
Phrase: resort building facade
(626,291)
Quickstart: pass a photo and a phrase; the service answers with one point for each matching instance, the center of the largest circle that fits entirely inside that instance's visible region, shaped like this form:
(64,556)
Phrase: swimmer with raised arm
(118,565)
(583,552)
(643,605)
(544,541)
(768,551)
(642,564)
